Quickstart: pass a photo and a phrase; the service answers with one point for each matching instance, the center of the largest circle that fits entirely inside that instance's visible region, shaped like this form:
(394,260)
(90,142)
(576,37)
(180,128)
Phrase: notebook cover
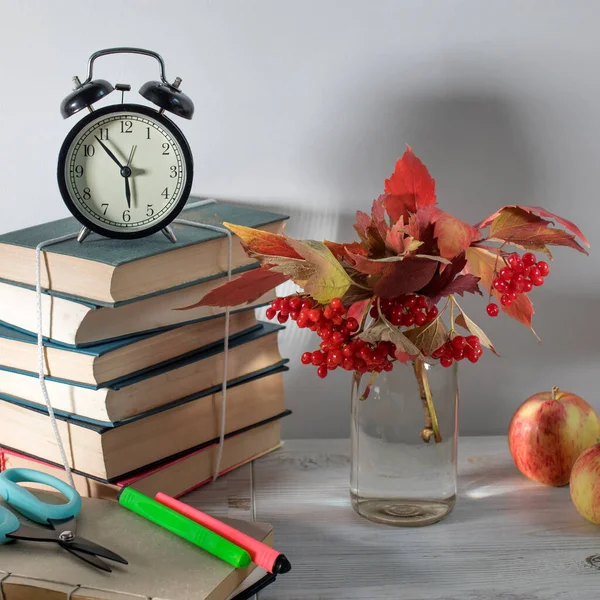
(120,252)
(161,564)
(202,353)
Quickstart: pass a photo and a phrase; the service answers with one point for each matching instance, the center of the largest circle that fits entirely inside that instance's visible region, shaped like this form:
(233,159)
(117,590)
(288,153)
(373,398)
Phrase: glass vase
(404,442)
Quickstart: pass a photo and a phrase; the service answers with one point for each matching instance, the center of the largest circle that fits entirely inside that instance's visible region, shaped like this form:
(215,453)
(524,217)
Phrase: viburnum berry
(322,371)
(270,313)
(459,342)
(306,358)
(528,259)
(544,268)
(446,362)
(492,309)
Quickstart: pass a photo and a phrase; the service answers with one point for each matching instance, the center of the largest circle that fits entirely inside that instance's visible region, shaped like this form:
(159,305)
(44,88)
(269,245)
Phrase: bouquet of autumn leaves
(392,296)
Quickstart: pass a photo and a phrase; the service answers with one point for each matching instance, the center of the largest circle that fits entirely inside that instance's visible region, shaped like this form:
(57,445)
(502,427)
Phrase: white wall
(305,106)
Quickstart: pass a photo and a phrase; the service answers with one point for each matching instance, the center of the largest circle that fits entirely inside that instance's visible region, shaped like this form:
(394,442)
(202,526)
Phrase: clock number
(149,210)
(147,133)
(173,171)
(78,171)
(126,126)
(165,147)
(126,216)
(89,150)
(87,193)
(165,193)
(104,133)
(105,207)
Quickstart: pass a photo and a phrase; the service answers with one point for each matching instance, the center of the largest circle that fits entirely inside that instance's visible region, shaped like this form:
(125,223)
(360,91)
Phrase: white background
(304,107)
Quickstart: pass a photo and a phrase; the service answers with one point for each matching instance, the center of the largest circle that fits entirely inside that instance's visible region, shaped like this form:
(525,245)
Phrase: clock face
(125,171)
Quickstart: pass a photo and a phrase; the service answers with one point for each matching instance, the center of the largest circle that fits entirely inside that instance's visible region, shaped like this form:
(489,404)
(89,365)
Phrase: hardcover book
(180,380)
(110,270)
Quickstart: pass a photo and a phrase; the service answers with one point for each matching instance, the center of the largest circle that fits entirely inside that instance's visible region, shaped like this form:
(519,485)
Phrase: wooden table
(507,538)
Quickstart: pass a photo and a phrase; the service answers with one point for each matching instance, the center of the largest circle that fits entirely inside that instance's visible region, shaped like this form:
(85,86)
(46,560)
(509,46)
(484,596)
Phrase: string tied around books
(40,339)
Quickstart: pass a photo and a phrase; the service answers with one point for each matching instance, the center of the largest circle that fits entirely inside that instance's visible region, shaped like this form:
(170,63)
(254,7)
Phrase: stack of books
(135,383)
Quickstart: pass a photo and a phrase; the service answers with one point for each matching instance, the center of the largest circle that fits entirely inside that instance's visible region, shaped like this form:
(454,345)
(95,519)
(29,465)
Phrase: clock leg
(83,233)
(169,233)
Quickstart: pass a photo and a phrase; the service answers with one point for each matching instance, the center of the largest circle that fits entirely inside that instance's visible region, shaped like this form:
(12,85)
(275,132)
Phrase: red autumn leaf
(263,242)
(398,241)
(443,278)
(542,212)
(453,235)
(405,276)
(340,250)
(358,309)
(526,230)
(248,287)
(372,229)
(459,285)
(394,276)
(483,264)
(410,187)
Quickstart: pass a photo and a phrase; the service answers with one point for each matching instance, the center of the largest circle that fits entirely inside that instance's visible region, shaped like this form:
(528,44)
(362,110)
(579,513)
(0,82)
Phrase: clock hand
(127,175)
(108,151)
(127,192)
(133,148)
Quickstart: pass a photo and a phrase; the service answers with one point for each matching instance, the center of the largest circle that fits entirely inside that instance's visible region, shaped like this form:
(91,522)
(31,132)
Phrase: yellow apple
(585,484)
(547,434)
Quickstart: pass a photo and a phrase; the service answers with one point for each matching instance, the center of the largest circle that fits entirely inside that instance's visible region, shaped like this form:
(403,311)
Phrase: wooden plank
(507,538)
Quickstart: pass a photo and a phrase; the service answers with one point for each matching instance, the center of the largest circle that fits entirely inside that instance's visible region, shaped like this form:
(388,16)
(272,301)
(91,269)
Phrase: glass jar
(404,442)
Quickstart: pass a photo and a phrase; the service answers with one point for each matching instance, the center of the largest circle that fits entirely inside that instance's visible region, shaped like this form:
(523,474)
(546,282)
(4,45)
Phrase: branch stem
(432,427)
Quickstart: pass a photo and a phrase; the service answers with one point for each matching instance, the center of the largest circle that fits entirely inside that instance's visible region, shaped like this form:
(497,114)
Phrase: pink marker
(261,554)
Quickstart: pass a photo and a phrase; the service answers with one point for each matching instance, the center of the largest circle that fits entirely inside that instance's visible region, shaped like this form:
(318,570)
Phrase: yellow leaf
(329,279)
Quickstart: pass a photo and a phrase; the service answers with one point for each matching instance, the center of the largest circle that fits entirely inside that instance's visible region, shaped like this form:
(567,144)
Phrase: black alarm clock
(125,170)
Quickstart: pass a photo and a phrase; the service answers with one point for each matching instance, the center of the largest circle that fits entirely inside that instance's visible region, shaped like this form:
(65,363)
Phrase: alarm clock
(125,170)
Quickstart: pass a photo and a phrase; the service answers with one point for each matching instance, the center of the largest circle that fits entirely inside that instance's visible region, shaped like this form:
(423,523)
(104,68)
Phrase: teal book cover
(262,330)
(120,252)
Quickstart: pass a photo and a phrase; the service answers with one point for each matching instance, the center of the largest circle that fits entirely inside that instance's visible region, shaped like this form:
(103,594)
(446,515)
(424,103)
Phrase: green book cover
(119,252)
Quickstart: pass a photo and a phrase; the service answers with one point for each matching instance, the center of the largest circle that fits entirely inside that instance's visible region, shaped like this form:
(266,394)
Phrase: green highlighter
(183,527)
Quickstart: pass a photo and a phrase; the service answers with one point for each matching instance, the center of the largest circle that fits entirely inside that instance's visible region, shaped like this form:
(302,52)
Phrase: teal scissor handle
(8,524)
(30,506)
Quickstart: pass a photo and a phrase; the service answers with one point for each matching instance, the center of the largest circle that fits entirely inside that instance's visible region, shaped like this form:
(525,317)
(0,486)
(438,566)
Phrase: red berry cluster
(406,310)
(457,348)
(519,276)
(335,329)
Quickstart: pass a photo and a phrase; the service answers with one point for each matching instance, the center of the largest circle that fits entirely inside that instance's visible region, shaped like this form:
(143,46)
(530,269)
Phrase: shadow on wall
(476,148)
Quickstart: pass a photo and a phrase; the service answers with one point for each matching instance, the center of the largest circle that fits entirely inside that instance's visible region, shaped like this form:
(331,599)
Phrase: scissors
(60,518)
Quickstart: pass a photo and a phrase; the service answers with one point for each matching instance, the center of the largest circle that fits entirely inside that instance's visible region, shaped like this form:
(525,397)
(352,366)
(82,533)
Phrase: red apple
(585,484)
(548,433)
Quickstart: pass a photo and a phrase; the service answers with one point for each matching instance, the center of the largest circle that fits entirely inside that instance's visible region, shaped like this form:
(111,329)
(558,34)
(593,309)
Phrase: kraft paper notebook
(161,566)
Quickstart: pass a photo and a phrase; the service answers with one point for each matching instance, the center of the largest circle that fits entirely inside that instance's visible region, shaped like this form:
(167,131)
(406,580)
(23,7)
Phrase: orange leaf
(248,287)
(410,187)
(340,250)
(453,235)
(483,263)
(542,212)
(516,226)
(263,242)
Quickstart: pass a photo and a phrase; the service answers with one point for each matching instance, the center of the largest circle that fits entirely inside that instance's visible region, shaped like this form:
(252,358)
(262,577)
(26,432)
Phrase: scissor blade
(91,559)
(33,534)
(83,545)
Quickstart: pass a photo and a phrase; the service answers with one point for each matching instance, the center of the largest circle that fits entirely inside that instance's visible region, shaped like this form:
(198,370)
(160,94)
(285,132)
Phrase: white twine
(40,338)
(40,347)
(222,423)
